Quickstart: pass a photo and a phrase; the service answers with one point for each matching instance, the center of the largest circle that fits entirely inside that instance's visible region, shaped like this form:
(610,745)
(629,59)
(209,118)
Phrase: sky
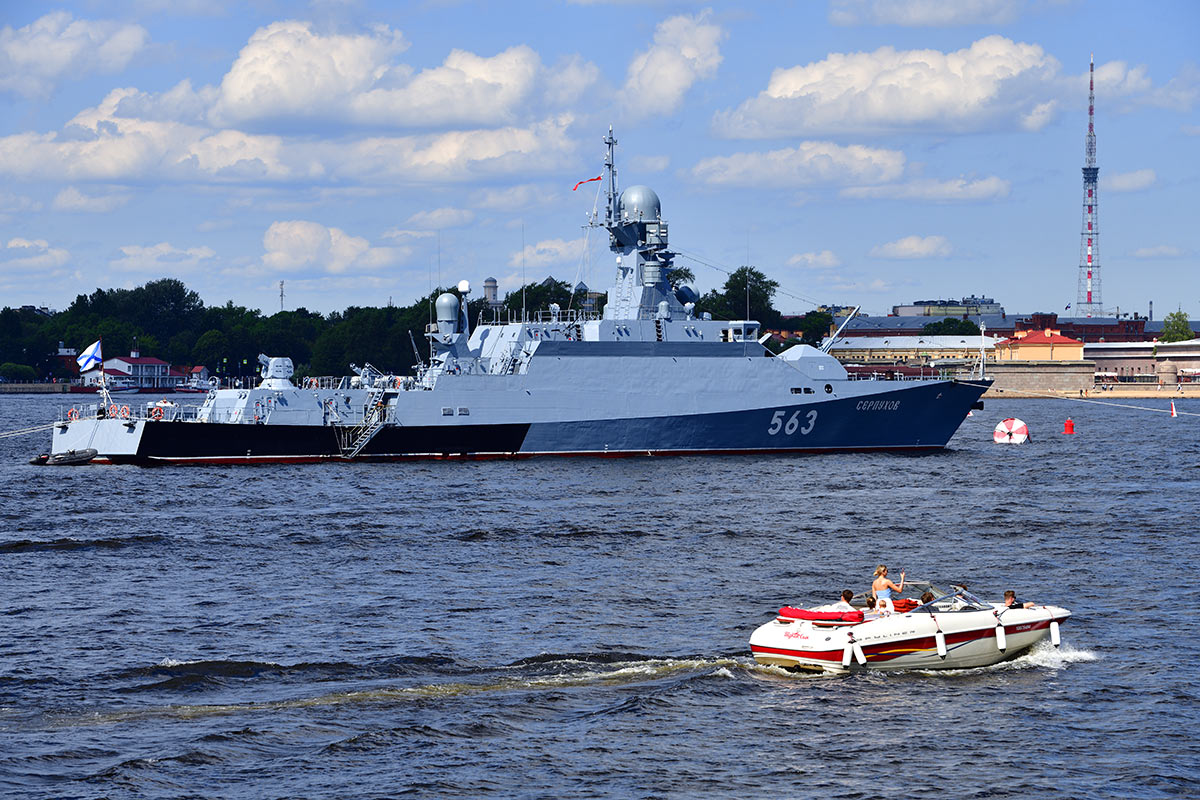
(859,152)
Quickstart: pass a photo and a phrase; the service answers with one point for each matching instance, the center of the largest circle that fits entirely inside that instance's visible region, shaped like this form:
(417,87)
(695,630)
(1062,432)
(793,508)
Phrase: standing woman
(882,588)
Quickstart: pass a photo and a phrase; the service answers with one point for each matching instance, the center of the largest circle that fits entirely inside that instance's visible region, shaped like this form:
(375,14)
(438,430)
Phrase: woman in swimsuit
(882,588)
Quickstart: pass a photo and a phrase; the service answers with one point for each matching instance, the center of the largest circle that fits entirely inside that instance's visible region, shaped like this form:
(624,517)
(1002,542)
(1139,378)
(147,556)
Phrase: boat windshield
(958,599)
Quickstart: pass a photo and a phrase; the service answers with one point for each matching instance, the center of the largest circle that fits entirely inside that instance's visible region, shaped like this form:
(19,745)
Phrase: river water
(579,627)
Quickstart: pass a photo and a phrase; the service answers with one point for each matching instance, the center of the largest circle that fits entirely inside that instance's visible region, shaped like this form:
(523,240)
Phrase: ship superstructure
(650,376)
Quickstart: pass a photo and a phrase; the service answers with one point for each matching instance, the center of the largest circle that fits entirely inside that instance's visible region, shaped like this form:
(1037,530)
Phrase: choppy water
(579,627)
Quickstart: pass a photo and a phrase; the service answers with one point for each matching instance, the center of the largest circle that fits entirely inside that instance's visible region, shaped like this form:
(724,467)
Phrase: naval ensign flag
(90,357)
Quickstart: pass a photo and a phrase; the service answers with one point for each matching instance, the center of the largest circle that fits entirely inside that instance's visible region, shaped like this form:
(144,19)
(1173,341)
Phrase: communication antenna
(523,315)
(281,295)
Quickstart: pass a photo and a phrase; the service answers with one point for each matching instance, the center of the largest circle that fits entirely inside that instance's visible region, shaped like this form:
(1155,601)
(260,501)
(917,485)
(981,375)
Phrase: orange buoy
(1068,427)
(1173,414)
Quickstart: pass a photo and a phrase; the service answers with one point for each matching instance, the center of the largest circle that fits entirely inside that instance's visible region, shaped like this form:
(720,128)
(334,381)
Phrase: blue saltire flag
(90,358)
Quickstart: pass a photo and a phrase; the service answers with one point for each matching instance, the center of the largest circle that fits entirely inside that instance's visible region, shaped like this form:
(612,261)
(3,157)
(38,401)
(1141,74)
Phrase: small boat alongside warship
(648,376)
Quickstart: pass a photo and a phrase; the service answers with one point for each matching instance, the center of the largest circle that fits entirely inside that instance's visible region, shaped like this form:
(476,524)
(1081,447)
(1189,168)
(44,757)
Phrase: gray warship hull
(911,418)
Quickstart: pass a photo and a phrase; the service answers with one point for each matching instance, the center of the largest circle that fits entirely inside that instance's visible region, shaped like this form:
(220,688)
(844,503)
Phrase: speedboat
(954,630)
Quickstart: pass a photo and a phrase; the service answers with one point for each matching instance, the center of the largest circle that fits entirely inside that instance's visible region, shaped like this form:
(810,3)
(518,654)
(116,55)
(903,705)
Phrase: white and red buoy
(1173,414)
(1011,431)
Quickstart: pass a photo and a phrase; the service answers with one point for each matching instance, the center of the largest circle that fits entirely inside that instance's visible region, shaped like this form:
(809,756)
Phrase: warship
(648,376)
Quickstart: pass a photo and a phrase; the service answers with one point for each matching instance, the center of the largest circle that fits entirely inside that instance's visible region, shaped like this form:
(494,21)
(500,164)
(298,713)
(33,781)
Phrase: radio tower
(1088,303)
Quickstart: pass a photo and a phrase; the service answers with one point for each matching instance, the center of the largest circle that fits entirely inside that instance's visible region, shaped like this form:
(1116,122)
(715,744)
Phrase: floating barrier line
(1097,402)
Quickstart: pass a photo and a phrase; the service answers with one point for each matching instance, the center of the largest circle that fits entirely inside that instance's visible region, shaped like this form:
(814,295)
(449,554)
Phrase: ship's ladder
(360,435)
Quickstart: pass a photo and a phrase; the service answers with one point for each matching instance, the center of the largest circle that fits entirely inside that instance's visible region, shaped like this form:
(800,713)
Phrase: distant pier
(34,388)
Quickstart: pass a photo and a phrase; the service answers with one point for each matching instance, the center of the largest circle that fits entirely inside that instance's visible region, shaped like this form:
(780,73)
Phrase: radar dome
(640,202)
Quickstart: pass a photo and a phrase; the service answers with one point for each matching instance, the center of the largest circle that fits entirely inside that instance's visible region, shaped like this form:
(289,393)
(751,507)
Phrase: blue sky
(858,151)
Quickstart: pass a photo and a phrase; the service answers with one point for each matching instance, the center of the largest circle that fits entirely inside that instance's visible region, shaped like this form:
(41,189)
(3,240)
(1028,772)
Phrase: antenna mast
(281,295)
(1087,301)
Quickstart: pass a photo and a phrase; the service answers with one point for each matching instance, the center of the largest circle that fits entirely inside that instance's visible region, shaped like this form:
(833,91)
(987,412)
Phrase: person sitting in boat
(1011,601)
(882,588)
(871,611)
(844,605)
(927,597)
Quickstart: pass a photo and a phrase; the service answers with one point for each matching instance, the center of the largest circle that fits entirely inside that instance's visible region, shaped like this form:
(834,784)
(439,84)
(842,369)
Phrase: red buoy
(1068,427)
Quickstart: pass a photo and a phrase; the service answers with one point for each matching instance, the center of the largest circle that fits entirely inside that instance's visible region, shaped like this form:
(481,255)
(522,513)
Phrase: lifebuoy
(157,413)
(112,410)
(124,412)
(73,414)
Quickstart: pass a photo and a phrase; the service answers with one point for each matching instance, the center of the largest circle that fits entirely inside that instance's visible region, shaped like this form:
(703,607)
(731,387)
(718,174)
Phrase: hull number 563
(793,422)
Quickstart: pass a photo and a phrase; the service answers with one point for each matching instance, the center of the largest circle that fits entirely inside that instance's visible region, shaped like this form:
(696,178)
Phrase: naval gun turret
(276,372)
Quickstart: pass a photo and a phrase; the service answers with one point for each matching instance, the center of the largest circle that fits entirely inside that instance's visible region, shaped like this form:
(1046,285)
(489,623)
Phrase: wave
(175,675)
(68,543)
(615,674)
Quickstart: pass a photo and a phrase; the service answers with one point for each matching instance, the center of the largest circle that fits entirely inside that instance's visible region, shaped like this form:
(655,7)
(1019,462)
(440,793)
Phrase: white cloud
(401,234)
(161,257)
(1039,116)
(923,13)
(514,198)
(71,199)
(306,247)
(826,259)
(1159,251)
(99,144)
(990,188)
(289,71)
(993,80)
(12,203)
(34,58)
(808,163)
(914,247)
(640,164)
(550,252)
(20,253)
(455,155)
(441,218)
(685,50)
(466,88)
(1130,181)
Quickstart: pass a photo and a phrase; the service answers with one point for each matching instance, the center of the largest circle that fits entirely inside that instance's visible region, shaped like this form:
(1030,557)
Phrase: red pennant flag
(589,180)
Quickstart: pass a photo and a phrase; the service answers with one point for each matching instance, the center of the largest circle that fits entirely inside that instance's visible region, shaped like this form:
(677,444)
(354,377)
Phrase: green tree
(1176,328)
(951,326)
(16,372)
(730,301)
(813,326)
(680,276)
(211,347)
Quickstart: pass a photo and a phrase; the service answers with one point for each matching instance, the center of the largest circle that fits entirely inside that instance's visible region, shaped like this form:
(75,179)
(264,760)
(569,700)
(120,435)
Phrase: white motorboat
(955,630)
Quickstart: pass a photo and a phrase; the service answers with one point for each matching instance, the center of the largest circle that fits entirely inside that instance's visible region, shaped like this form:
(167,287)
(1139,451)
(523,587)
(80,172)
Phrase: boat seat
(822,617)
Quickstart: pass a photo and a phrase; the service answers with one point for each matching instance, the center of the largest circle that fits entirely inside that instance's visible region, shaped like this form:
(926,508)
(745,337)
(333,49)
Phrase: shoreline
(1096,393)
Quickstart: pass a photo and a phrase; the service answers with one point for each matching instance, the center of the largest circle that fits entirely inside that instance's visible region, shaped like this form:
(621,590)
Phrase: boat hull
(916,418)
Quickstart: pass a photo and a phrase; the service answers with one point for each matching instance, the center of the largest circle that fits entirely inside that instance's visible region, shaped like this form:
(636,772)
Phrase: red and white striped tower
(1087,302)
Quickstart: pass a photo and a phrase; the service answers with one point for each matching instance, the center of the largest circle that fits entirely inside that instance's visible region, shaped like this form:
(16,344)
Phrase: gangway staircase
(359,436)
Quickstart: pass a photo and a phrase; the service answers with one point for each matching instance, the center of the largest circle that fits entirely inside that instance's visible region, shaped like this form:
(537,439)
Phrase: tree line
(169,321)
